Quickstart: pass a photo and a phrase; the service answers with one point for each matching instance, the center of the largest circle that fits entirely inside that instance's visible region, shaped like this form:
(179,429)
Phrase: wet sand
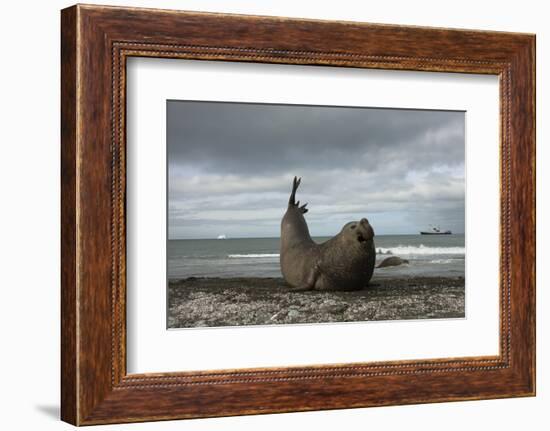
(210,302)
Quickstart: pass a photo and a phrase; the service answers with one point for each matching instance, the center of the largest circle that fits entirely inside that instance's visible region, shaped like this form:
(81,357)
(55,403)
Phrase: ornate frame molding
(96,41)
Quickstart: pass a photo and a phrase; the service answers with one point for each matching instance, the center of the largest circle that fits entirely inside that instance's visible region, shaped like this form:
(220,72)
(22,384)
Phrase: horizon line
(278,237)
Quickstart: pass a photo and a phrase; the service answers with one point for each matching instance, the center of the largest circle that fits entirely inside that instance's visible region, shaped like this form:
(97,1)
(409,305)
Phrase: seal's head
(358,232)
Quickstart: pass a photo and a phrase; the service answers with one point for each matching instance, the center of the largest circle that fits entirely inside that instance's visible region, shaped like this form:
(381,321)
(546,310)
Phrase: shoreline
(212,302)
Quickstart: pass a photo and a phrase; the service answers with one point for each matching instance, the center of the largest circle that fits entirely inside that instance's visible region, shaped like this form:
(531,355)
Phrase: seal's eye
(352,226)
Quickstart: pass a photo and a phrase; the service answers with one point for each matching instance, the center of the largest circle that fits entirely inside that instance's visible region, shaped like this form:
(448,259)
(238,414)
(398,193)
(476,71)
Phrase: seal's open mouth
(361,238)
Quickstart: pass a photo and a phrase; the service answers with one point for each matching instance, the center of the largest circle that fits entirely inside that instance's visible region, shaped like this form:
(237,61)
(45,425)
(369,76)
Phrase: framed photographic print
(230,252)
(265,215)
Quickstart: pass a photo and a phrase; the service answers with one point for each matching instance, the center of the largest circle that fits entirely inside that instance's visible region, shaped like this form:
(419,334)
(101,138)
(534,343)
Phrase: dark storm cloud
(252,138)
(231,164)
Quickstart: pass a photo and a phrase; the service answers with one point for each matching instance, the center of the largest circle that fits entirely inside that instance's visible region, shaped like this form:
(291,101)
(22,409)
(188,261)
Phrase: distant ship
(435,230)
(222,236)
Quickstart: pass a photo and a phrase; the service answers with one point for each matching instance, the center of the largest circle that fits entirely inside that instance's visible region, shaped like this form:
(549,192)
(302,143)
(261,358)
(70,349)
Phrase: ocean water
(442,255)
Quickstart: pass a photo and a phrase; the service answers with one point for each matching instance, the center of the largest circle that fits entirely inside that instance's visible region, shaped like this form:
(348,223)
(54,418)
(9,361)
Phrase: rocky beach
(214,302)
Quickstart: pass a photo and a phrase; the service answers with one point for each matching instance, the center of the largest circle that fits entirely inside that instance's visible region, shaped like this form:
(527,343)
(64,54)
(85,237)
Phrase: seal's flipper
(303,208)
(295,185)
(309,283)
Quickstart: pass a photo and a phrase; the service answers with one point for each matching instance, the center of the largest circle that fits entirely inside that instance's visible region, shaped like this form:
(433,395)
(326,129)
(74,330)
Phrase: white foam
(444,260)
(420,250)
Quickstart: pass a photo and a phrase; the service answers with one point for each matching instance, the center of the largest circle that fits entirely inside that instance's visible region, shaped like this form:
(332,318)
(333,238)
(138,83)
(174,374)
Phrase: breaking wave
(420,250)
(444,260)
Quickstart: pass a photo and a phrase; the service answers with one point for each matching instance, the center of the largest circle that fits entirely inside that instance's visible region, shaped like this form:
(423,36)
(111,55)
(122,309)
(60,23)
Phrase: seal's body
(345,262)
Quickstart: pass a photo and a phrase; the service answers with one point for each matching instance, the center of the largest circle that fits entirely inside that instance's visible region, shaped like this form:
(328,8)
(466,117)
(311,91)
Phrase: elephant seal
(345,262)
(392,261)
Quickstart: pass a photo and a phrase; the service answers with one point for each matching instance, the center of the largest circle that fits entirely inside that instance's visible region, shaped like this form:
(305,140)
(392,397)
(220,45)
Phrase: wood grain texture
(96,41)
(69,331)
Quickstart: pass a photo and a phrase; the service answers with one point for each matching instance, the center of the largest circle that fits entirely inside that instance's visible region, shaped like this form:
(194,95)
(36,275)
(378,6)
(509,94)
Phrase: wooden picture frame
(95,43)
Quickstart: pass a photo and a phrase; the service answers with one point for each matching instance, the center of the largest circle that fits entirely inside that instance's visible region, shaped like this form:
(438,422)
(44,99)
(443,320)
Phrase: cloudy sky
(230,168)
